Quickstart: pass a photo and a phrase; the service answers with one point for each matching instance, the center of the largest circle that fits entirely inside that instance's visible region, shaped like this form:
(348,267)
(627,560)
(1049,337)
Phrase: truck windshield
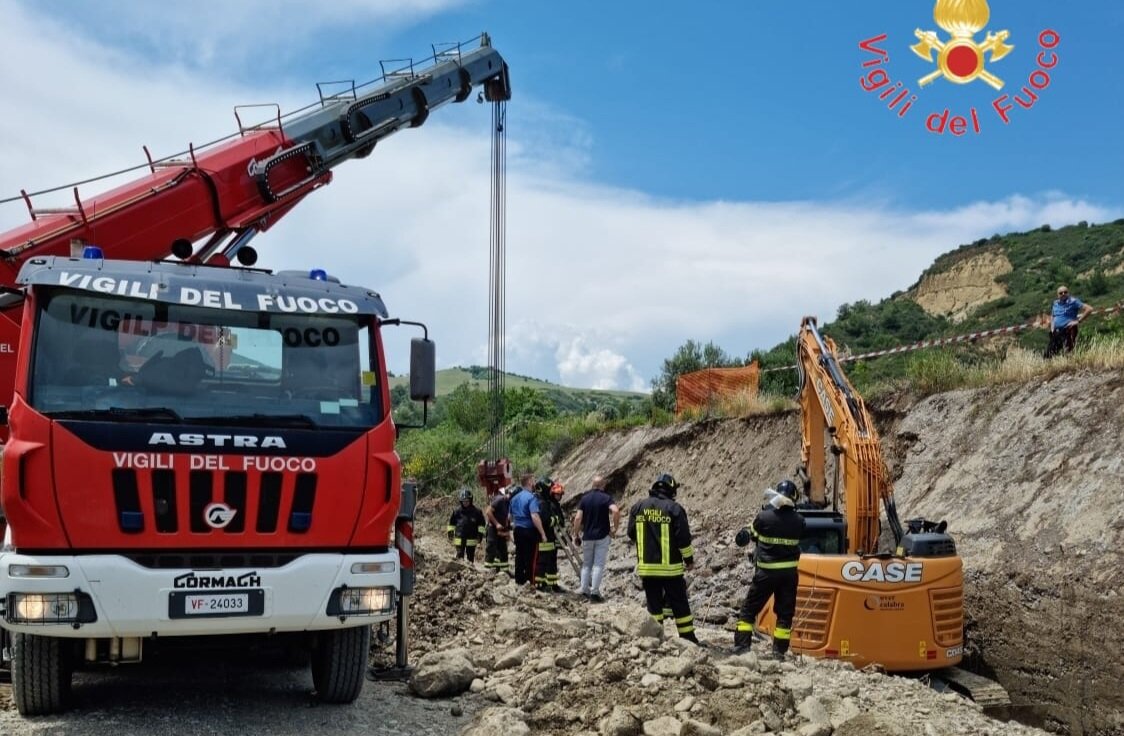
(121,359)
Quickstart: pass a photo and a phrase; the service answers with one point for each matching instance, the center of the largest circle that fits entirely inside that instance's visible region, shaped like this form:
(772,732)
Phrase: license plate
(182,604)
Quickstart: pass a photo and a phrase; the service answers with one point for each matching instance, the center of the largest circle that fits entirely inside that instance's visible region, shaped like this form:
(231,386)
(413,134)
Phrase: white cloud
(603,283)
(205,33)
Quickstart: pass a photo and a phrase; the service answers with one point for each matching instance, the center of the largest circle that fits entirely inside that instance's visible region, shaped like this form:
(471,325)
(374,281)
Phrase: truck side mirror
(423,369)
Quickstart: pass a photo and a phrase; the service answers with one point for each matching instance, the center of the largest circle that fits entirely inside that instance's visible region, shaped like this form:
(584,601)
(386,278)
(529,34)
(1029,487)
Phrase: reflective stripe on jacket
(466,525)
(662,535)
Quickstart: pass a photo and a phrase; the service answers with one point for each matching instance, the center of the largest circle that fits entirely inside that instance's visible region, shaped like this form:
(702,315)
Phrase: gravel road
(202,695)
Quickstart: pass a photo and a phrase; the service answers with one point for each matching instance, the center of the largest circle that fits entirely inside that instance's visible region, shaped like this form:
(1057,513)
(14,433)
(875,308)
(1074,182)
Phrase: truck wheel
(339,663)
(41,674)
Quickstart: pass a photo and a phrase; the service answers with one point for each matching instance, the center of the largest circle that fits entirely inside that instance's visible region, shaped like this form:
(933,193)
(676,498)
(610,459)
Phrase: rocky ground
(541,663)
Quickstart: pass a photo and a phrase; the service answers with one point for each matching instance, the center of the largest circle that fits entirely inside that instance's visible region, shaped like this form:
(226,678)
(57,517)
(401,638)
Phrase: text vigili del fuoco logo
(958,58)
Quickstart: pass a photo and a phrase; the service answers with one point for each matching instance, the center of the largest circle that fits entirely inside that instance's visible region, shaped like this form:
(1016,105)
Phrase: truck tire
(41,674)
(339,663)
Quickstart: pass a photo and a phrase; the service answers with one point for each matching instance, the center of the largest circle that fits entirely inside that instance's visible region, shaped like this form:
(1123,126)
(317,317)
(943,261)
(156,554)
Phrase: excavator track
(986,693)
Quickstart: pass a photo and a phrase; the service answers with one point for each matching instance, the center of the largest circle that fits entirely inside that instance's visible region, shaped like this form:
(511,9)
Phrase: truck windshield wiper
(146,413)
(258,420)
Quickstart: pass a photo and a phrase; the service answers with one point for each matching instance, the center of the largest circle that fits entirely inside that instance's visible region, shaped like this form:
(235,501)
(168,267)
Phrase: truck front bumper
(112,596)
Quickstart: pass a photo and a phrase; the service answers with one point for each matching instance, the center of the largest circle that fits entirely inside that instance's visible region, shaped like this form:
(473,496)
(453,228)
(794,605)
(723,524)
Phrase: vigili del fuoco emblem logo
(960,59)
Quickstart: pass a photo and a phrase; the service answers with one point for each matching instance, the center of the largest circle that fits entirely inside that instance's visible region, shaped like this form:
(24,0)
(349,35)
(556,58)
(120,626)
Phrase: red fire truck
(197,447)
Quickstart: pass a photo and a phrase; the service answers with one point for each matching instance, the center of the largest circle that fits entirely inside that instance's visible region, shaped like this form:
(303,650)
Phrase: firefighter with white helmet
(777,531)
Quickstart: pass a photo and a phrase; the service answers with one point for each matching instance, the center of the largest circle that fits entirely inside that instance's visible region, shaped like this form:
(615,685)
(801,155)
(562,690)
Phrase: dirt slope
(1030,479)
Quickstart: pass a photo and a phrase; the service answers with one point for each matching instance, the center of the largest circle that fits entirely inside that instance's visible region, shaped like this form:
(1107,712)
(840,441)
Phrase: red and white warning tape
(937,342)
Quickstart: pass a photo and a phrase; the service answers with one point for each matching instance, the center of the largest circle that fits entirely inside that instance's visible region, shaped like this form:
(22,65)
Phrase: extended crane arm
(230,191)
(829,404)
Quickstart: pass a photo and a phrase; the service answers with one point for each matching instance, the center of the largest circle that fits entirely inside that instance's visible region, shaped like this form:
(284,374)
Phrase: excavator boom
(828,403)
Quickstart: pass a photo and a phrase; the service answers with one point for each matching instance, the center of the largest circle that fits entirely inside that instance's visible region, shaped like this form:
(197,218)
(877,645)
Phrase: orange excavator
(891,598)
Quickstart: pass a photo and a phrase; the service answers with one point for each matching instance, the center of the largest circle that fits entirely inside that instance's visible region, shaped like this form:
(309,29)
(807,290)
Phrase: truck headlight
(361,601)
(50,608)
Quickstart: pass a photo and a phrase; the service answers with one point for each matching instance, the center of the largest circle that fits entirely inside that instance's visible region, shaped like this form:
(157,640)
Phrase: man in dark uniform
(498,516)
(658,525)
(466,527)
(553,520)
(777,531)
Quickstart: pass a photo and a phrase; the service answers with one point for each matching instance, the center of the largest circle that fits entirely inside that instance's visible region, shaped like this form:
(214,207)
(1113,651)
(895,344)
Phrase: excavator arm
(225,193)
(830,406)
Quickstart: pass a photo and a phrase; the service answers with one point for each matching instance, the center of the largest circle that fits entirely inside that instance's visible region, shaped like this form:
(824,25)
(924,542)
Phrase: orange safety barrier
(701,389)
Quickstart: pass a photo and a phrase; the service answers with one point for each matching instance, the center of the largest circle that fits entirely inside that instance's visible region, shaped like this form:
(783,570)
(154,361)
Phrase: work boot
(690,636)
(743,640)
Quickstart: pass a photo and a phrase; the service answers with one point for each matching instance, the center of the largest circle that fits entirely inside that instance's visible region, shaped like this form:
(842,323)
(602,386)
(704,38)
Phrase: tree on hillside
(468,408)
(691,356)
(524,404)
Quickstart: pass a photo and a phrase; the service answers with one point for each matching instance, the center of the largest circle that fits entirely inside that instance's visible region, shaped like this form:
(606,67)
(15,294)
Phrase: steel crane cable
(497,287)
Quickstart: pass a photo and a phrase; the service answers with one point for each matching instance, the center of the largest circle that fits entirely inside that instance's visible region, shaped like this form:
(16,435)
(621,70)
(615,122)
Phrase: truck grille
(264,495)
(211,561)
(813,616)
(948,615)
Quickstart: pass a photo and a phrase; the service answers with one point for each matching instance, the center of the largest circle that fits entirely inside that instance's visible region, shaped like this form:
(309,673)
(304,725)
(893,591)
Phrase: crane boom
(228,192)
(828,403)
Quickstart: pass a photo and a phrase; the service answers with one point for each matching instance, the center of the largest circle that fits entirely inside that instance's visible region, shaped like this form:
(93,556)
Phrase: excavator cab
(825,533)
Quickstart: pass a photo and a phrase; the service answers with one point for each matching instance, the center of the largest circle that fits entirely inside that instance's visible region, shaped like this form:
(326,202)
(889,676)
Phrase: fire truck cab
(197,451)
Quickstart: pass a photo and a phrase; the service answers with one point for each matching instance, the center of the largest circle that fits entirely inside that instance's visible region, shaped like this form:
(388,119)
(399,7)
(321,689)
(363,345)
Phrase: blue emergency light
(92,252)
(318,274)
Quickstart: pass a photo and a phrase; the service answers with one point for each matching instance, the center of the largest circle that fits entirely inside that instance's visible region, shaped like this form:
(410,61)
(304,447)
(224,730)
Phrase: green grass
(935,372)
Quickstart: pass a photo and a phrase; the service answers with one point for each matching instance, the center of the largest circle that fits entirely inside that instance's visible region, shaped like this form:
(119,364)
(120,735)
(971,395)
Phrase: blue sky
(710,173)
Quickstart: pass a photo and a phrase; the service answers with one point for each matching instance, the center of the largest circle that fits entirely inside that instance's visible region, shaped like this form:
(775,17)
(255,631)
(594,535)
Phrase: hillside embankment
(1030,478)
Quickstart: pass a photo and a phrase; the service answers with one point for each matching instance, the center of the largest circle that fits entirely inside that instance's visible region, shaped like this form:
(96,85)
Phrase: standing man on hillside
(595,524)
(1067,313)
(658,525)
(526,520)
(498,516)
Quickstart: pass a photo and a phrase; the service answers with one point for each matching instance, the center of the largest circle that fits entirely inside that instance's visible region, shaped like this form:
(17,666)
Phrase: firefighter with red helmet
(466,527)
(658,525)
(777,531)
(553,520)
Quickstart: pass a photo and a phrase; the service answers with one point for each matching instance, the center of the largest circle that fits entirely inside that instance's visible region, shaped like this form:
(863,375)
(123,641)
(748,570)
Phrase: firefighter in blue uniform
(466,527)
(777,531)
(658,526)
